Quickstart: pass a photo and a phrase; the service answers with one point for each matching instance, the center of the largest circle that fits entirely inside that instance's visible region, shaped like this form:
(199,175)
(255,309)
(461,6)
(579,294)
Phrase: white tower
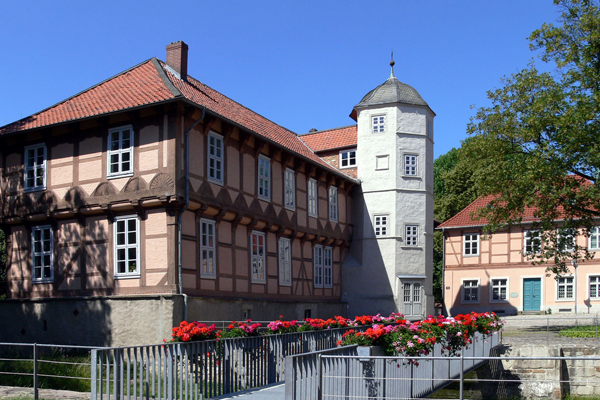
(391,263)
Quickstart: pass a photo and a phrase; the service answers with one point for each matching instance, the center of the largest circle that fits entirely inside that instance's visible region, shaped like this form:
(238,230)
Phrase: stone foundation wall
(541,379)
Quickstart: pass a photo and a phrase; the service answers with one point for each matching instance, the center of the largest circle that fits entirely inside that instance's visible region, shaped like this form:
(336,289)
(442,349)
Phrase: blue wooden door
(532,294)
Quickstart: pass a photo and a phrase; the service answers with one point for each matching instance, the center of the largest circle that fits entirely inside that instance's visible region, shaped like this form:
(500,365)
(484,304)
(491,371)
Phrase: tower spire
(392,63)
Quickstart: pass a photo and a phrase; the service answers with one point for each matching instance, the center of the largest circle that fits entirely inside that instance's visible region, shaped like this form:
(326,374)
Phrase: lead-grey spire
(392,63)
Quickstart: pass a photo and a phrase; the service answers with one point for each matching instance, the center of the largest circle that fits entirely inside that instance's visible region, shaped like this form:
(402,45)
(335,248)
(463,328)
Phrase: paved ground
(519,330)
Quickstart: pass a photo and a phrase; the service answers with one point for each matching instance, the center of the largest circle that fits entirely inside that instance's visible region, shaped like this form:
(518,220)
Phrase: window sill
(470,255)
(116,176)
(286,284)
(34,189)
(499,301)
(263,198)
(411,247)
(253,282)
(412,177)
(40,281)
(215,181)
(470,302)
(571,299)
(132,276)
(313,215)
(290,208)
(208,276)
(349,166)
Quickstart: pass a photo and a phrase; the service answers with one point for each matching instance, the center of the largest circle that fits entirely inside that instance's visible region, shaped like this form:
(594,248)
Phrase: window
(312,197)
(333,204)
(120,152)
(208,263)
(532,242)
(348,158)
(471,291)
(594,287)
(35,168)
(378,124)
(382,162)
(381,225)
(567,239)
(412,235)
(410,165)
(318,266)
(42,245)
(215,157)
(595,238)
(264,177)
(429,130)
(258,257)
(127,247)
(290,189)
(499,289)
(328,267)
(471,244)
(285,262)
(565,288)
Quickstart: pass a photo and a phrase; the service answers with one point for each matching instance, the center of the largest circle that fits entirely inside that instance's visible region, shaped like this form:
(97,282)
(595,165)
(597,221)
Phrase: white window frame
(563,281)
(411,165)
(349,156)
(464,289)
(35,168)
(559,238)
(258,257)
(381,225)
(318,266)
(471,241)
(378,124)
(594,234)
(264,178)
(126,246)
(528,236)
(208,248)
(289,189)
(411,239)
(285,262)
(596,283)
(120,152)
(42,253)
(333,204)
(328,267)
(216,172)
(506,286)
(313,198)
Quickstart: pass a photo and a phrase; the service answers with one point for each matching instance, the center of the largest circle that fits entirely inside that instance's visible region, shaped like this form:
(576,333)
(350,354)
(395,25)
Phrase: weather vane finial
(392,63)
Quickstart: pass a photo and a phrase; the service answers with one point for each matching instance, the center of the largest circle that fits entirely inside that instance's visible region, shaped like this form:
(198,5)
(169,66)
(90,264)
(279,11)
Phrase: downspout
(185,207)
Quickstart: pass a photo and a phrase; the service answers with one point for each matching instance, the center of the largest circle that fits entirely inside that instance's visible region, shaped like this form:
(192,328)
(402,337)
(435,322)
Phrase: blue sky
(301,64)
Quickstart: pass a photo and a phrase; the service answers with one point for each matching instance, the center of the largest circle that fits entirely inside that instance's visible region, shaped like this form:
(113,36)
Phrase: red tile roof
(331,139)
(152,82)
(135,87)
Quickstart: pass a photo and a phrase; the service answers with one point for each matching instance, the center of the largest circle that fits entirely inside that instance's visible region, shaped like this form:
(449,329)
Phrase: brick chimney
(177,57)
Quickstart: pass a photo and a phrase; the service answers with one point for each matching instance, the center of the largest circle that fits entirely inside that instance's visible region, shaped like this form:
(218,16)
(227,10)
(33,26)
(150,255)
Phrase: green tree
(537,145)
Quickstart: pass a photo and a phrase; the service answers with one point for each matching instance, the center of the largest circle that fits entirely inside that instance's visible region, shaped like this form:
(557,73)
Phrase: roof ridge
(78,94)
(326,130)
(163,76)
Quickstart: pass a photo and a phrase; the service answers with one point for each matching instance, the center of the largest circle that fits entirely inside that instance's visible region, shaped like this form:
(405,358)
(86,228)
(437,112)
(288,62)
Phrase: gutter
(185,207)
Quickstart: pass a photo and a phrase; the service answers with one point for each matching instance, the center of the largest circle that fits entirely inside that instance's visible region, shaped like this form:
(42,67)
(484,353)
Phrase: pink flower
(410,344)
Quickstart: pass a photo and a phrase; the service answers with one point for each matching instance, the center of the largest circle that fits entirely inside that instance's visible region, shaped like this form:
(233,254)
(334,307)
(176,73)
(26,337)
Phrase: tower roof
(392,91)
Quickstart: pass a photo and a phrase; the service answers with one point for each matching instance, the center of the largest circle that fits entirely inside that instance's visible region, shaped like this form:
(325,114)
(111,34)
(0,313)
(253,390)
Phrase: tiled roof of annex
(331,139)
(468,216)
(152,82)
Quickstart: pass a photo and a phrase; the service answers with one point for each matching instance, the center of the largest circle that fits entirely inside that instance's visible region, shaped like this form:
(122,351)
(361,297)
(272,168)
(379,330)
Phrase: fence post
(35,372)
(548,331)
(319,377)
(462,372)
(94,372)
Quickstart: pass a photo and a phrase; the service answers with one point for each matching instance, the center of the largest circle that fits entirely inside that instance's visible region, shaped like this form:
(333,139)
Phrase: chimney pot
(177,57)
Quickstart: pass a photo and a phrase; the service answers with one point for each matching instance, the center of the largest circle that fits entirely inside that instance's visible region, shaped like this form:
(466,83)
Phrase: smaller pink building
(495,274)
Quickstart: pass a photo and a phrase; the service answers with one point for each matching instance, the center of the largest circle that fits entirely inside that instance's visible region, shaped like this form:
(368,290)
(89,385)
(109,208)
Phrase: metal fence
(45,365)
(322,375)
(204,369)
(547,329)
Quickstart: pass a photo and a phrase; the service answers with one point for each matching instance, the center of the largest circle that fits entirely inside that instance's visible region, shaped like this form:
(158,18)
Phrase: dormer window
(348,158)
(378,124)
(120,152)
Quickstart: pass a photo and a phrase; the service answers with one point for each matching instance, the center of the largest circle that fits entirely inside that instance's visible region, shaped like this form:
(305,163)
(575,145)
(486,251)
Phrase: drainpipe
(185,207)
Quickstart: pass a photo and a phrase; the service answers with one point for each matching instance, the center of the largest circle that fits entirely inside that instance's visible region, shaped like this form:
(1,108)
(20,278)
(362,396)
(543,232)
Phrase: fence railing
(45,365)
(195,370)
(551,327)
(320,375)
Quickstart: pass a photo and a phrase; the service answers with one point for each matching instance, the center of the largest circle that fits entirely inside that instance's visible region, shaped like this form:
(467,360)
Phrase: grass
(579,332)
